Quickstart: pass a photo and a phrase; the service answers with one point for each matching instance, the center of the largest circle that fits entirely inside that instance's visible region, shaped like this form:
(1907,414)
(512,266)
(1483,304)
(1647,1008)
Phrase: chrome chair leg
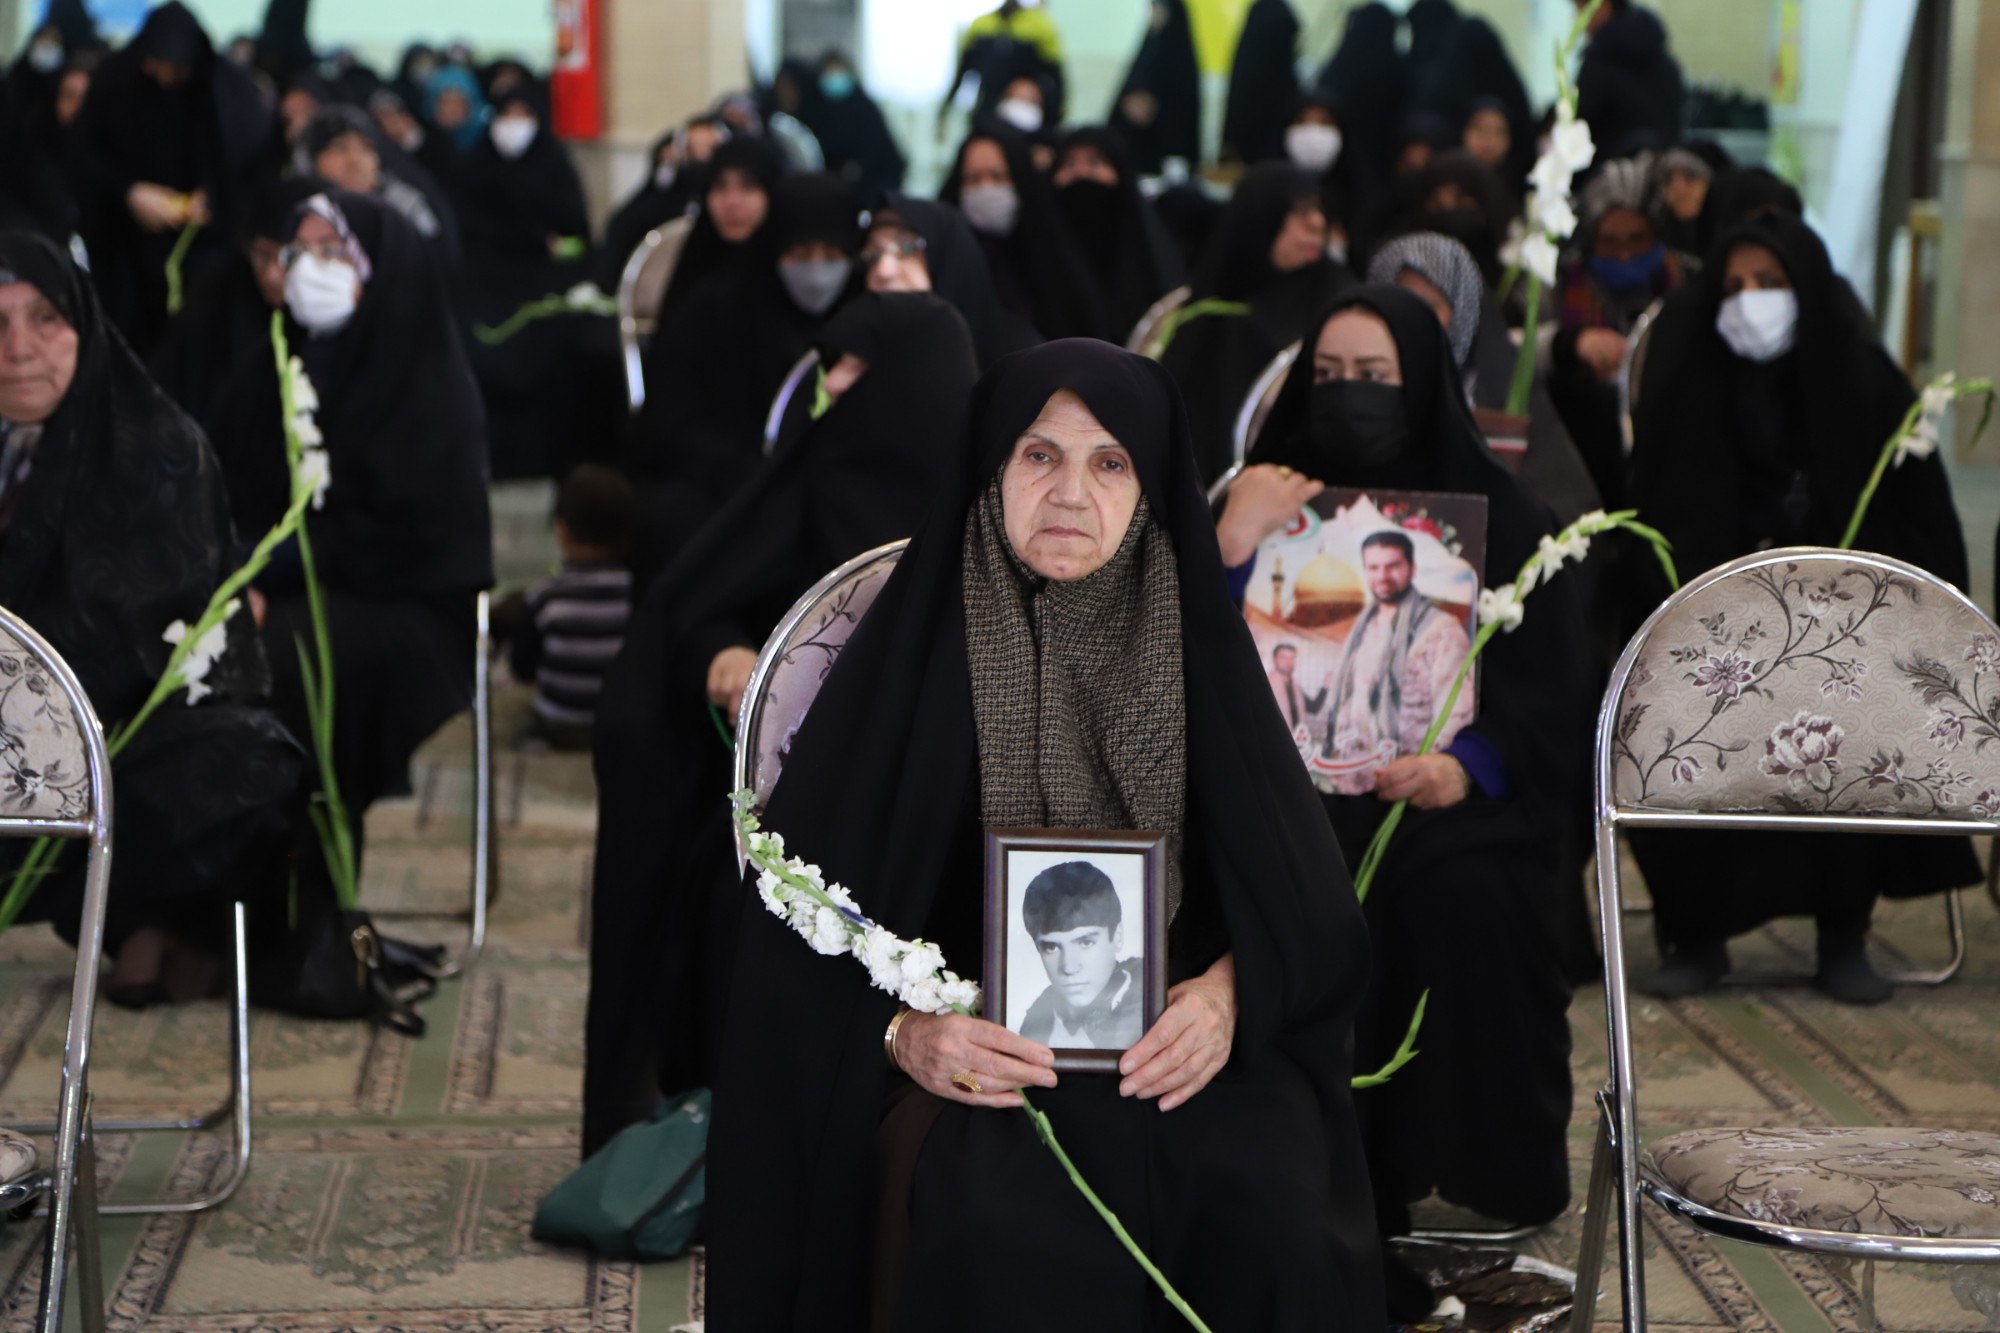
(1954,927)
(1870,1323)
(1597,1199)
(89,1242)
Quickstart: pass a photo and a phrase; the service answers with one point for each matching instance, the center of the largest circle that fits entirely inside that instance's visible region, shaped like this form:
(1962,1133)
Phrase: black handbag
(334,963)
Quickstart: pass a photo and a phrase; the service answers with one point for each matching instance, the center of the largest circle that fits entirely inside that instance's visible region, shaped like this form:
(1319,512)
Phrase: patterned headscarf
(1448,266)
(1077,691)
(322,206)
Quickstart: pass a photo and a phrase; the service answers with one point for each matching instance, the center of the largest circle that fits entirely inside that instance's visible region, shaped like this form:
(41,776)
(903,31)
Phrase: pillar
(664,61)
(1967,336)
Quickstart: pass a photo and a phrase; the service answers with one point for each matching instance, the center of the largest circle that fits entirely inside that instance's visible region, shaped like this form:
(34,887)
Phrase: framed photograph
(1076,939)
(1363,611)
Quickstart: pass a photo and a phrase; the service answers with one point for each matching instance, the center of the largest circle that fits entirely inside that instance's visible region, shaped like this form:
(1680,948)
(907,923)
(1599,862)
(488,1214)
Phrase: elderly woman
(1478,899)
(1056,648)
(114,525)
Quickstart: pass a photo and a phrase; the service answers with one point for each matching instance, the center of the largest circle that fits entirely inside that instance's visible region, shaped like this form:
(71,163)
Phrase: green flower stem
(721,728)
(175,259)
(493,335)
(1176,320)
(1888,454)
(1522,386)
(1404,1053)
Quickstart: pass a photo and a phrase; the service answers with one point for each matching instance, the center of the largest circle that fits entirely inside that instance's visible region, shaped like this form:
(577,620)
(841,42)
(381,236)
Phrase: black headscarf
(283,46)
(864,474)
(1118,233)
(1480,226)
(1721,444)
(1038,273)
(1475,73)
(72,19)
(853,134)
(509,208)
(879,788)
(1433,24)
(705,251)
(1628,86)
(1263,83)
(1216,359)
(957,268)
(122,525)
(1166,70)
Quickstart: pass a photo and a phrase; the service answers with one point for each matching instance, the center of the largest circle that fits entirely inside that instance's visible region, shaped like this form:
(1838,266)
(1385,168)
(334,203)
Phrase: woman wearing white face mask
(1767,400)
(1044,286)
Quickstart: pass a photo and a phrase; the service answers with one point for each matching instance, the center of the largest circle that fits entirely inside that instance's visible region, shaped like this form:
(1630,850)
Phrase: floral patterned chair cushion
(44,765)
(1894,1182)
(800,663)
(1812,684)
(17,1156)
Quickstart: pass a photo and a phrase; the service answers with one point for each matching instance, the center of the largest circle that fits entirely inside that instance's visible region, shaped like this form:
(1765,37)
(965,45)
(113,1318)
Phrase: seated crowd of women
(1062,644)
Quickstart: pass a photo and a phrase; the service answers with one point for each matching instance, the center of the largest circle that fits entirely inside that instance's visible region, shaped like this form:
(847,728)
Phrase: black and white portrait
(1075,929)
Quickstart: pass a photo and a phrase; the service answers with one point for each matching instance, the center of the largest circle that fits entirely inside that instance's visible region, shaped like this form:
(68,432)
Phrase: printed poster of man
(1362,611)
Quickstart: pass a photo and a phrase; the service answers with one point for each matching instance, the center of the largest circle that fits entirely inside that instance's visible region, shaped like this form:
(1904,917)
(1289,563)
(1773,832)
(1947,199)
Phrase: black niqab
(880,789)
(1118,233)
(1368,82)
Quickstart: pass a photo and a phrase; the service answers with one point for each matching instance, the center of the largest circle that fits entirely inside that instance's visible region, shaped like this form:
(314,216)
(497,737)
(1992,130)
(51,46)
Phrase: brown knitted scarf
(1076,687)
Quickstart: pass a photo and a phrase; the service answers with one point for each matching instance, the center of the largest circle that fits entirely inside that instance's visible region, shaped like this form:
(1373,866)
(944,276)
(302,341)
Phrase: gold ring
(967,1083)
(1284,471)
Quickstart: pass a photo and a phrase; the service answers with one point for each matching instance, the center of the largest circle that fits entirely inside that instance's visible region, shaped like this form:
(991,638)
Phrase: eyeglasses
(326,250)
(875,254)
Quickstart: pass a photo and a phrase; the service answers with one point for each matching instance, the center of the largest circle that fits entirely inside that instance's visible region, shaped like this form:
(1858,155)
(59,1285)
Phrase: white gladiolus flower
(882,953)
(1569,140)
(959,993)
(922,960)
(306,431)
(315,474)
(926,996)
(201,657)
(305,398)
(584,293)
(830,932)
(1920,442)
(1538,257)
(1553,214)
(1503,607)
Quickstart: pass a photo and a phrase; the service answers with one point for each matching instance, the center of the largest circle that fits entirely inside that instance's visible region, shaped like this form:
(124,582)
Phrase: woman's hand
(1191,1042)
(156,208)
(933,1047)
(1427,781)
(1603,350)
(1262,500)
(728,677)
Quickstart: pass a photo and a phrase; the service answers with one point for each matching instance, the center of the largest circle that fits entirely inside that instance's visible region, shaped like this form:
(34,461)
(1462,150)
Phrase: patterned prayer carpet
(394,1179)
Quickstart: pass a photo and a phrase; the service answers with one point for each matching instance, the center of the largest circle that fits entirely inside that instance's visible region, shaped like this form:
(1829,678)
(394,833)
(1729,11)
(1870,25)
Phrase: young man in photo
(1095,1000)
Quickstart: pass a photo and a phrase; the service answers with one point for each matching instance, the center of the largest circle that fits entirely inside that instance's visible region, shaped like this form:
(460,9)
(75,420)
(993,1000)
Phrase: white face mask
(663,176)
(45,57)
(513,134)
(1759,325)
(991,208)
(1022,114)
(1312,146)
(321,293)
(815,284)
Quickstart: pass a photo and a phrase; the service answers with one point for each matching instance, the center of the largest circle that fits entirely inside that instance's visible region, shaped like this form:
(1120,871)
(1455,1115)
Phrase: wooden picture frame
(1031,999)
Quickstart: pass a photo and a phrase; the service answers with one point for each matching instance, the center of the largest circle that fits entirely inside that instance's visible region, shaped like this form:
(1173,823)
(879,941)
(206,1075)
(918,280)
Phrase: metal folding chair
(1684,697)
(642,284)
(795,661)
(61,775)
(1145,336)
(484,881)
(781,401)
(1251,416)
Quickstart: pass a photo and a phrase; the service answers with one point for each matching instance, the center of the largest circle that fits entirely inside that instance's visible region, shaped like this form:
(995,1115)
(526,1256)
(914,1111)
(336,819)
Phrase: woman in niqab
(1039,276)
(853,133)
(1269,254)
(865,473)
(403,541)
(1368,82)
(1263,83)
(1768,400)
(1479,897)
(114,525)
(1158,111)
(1114,226)
(1055,648)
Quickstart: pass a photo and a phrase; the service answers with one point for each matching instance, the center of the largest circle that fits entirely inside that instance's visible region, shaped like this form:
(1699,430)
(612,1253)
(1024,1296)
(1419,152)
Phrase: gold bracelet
(889,1037)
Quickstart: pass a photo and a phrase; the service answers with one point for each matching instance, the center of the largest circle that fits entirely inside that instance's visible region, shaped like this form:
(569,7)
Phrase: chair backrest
(1807,685)
(781,402)
(51,764)
(795,661)
(1250,417)
(1632,372)
(1145,336)
(642,285)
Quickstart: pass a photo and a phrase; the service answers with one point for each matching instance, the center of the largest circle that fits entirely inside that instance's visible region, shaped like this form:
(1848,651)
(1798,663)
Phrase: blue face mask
(837,83)
(1624,275)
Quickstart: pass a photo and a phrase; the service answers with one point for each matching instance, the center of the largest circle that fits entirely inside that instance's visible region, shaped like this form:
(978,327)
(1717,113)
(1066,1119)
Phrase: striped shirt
(576,622)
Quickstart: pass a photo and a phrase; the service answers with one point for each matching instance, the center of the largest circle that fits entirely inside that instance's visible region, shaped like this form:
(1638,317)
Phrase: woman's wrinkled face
(1356,345)
(37,355)
(1068,492)
(737,203)
(984,164)
(1302,240)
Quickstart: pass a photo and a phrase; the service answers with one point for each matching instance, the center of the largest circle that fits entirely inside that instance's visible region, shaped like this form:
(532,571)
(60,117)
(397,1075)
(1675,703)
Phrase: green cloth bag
(640,1197)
